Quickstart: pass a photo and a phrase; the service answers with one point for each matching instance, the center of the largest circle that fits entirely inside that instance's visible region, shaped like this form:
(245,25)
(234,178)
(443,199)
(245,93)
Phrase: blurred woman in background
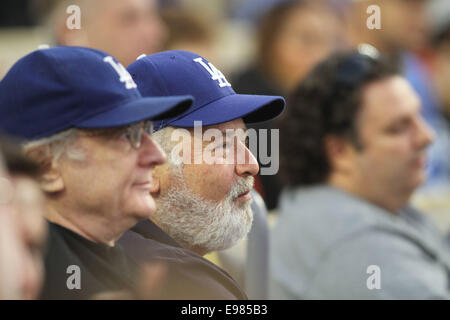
(292,38)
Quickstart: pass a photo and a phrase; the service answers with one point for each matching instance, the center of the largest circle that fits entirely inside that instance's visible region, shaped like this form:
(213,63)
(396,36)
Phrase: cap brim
(151,108)
(252,108)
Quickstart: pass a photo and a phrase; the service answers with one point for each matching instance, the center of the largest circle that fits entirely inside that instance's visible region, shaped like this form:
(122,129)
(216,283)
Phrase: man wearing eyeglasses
(84,121)
(346,230)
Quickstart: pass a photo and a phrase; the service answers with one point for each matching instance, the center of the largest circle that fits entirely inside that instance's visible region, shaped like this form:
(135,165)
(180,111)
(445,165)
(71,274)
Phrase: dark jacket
(190,276)
(101,268)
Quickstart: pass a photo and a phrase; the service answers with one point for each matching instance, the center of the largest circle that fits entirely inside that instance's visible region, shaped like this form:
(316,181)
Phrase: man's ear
(155,184)
(339,152)
(51,180)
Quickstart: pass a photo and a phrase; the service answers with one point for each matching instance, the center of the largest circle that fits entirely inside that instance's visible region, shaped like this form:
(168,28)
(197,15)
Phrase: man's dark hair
(15,161)
(441,37)
(326,103)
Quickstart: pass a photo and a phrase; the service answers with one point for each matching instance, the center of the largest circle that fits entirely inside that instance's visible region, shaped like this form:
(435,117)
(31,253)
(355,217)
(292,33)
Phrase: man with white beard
(204,217)
(203,192)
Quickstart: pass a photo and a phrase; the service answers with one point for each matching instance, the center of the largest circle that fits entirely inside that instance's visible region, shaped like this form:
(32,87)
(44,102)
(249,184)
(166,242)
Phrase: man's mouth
(245,196)
(420,161)
(143,185)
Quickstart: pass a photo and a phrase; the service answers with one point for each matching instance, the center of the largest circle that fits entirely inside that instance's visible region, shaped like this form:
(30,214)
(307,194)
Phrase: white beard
(200,224)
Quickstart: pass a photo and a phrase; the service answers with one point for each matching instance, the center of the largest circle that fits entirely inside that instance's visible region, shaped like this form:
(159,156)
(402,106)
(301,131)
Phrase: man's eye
(398,127)
(125,135)
(221,146)
(128,18)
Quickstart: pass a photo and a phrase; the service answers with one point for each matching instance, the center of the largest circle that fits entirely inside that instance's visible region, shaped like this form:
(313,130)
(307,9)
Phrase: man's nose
(426,134)
(248,165)
(150,152)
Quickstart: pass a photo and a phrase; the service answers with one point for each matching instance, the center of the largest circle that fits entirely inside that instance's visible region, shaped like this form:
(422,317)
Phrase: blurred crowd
(282,48)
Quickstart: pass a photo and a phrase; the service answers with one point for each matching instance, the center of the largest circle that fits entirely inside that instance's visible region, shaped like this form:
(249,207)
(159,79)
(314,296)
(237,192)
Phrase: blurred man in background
(123,28)
(189,31)
(404,25)
(22,225)
(353,150)
(405,31)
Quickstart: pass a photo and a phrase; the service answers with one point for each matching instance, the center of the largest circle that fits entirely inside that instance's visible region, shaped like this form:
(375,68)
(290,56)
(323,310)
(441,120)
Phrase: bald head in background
(123,28)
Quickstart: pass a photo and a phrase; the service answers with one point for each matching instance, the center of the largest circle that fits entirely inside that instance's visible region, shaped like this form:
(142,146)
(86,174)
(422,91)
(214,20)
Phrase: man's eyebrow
(234,135)
(225,132)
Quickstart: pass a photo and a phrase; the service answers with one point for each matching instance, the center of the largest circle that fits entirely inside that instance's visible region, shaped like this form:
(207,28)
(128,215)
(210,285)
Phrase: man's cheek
(226,179)
(217,181)
(223,173)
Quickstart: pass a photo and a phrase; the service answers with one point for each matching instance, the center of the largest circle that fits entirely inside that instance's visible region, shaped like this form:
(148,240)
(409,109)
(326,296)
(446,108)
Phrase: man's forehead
(121,6)
(389,97)
(235,124)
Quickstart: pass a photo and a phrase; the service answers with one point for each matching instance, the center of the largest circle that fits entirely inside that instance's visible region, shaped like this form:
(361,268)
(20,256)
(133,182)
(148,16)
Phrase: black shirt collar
(148,229)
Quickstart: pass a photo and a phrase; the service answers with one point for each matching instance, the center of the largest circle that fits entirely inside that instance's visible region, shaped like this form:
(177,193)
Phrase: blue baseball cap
(182,72)
(51,90)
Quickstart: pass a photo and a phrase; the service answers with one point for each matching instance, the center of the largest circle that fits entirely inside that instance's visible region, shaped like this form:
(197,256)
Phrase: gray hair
(56,145)
(163,138)
(168,138)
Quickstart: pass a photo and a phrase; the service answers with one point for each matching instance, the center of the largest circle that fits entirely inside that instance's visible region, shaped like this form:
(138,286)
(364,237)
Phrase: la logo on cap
(124,75)
(215,73)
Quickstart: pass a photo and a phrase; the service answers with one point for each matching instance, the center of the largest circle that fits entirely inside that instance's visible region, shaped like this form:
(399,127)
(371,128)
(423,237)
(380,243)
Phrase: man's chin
(146,208)
(419,178)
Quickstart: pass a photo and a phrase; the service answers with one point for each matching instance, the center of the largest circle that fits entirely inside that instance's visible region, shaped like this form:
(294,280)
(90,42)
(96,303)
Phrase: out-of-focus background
(222,31)
(262,46)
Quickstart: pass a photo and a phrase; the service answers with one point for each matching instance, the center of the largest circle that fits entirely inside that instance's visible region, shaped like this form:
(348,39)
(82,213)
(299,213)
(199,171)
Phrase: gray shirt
(328,244)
